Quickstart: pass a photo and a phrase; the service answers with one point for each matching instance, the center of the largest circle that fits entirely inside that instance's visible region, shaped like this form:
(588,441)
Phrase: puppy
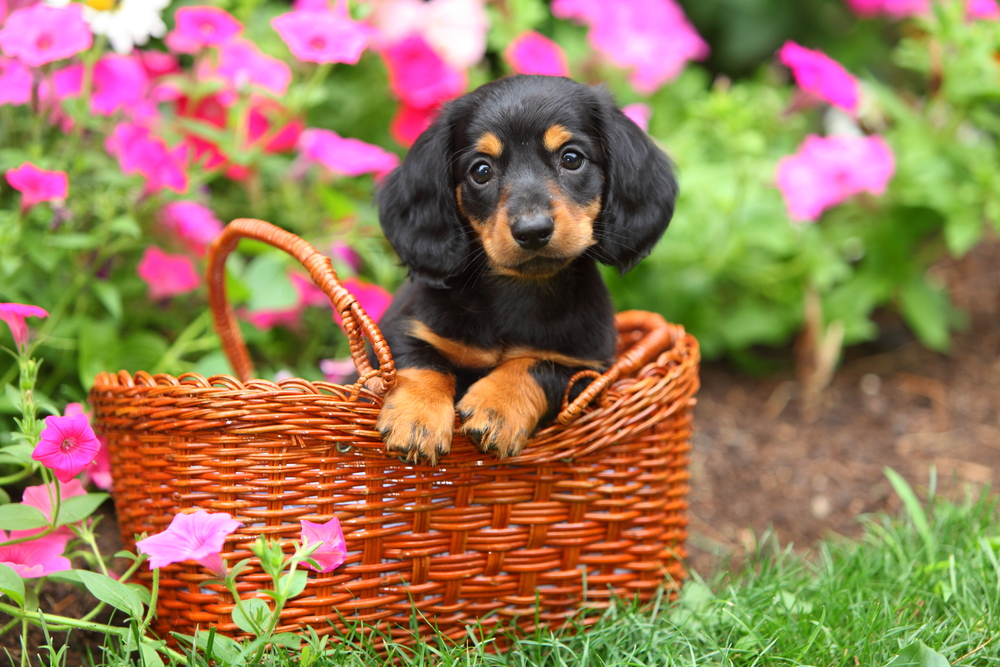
(500,212)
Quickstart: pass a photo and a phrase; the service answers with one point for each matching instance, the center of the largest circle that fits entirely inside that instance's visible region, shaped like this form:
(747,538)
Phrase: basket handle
(657,336)
(355,320)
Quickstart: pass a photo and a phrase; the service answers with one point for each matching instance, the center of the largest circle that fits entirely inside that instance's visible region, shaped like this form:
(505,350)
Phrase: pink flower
(99,469)
(531,53)
(982,9)
(455,29)
(409,122)
(36,558)
(639,114)
(350,157)
(198,27)
(828,171)
(40,497)
(198,536)
(37,185)
(311,5)
(346,255)
(896,9)
(322,37)
(337,370)
(40,34)
(140,152)
(418,76)
(120,83)
(167,275)
(652,38)
(333,550)
(15,82)
(306,295)
(242,64)
(373,299)
(817,73)
(195,225)
(67,446)
(13,314)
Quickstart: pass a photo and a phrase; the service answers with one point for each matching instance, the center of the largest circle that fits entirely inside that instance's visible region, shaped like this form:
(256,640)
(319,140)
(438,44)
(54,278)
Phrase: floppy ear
(418,211)
(639,190)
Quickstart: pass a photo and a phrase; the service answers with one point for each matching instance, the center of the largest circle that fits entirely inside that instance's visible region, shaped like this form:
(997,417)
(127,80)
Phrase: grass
(931,575)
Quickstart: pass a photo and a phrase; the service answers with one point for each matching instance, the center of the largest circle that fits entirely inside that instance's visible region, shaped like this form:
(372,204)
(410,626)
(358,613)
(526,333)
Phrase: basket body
(590,509)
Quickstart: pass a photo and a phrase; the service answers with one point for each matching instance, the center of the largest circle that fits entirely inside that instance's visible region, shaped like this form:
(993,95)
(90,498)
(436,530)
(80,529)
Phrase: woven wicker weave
(593,507)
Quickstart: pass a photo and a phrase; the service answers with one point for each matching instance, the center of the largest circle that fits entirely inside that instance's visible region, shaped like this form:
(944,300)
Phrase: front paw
(418,416)
(501,411)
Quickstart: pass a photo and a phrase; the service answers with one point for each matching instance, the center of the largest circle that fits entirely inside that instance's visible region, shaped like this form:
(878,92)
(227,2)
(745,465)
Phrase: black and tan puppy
(500,211)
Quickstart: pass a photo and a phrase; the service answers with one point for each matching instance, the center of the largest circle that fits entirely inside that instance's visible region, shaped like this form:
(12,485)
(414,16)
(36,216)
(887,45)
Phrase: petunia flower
(167,275)
(138,151)
(896,9)
(67,446)
(306,295)
(337,370)
(37,185)
(242,64)
(821,75)
(455,29)
(418,76)
(119,83)
(40,34)
(40,497)
(373,299)
(333,549)
(14,314)
(350,157)
(198,536)
(982,9)
(827,171)
(409,122)
(532,53)
(99,469)
(15,82)
(195,225)
(323,36)
(199,27)
(651,38)
(36,558)
(639,114)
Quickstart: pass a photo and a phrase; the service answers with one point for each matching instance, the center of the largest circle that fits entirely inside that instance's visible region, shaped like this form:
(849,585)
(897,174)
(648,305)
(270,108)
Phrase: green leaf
(296,585)
(11,584)
(13,395)
(150,656)
(19,454)
(66,576)
(99,348)
(918,654)
(288,640)
(126,225)
(267,279)
(115,593)
(110,297)
(16,516)
(79,508)
(927,312)
(218,647)
(73,241)
(256,618)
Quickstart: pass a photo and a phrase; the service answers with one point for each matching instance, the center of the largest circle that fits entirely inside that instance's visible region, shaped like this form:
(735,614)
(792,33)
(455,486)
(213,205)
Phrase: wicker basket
(593,508)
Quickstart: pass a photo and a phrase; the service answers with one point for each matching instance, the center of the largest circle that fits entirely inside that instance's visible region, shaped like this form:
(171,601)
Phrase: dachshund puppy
(500,211)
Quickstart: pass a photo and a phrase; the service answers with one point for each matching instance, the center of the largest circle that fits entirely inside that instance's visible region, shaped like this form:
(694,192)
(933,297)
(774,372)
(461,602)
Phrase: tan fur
(490,144)
(418,416)
(501,410)
(574,224)
(556,136)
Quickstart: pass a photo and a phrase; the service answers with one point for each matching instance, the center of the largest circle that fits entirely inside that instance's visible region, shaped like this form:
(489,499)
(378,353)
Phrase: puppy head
(528,173)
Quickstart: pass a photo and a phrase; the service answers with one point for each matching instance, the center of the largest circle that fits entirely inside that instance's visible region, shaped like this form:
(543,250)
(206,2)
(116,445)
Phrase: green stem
(51,620)
(16,477)
(153,594)
(183,341)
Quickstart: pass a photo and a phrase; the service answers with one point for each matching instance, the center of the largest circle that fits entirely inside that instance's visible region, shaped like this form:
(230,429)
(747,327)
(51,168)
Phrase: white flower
(126,23)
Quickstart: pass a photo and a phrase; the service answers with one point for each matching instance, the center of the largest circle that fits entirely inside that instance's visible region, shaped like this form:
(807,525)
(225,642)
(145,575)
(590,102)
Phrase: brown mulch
(759,464)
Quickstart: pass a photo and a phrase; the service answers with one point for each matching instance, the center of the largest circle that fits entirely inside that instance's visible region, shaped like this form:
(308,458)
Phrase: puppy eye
(571,160)
(482,173)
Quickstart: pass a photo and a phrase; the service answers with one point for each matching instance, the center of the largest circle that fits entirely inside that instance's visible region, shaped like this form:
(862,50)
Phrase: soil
(760,462)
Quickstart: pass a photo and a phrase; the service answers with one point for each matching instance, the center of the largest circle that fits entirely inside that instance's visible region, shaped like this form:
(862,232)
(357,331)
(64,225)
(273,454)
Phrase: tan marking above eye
(489,144)
(556,136)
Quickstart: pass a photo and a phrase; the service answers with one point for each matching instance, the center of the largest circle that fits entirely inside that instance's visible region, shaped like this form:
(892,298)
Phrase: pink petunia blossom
(827,171)
(323,37)
(140,152)
(40,34)
(195,225)
(40,497)
(896,9)
(37,185)
(167,275)
(15,82)
(337,370)
(418,76)
(67,446)
(639,114)
(198,536)
(119,83)
(652,38)
(242,64)
(333,549)
(99,469)
(346,255)
(311,5)
(982,9)
(373,299)
(455,29)
(817,73)
(306,295)
(409,122)
(14,314)
(350,157)
(36,558)
(532,53)
(202,26)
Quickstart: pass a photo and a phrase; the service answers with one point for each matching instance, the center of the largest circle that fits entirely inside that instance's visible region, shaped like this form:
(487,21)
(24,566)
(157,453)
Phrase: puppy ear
(639,191)
(418,211)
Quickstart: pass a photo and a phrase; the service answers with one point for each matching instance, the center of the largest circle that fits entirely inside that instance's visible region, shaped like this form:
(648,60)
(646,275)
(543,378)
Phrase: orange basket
(593,508)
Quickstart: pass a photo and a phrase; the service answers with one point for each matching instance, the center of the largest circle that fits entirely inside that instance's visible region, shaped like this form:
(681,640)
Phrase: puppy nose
(532,231)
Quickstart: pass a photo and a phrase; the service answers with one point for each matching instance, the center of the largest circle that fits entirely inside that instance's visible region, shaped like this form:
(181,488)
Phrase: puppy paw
(500,412)
(418,416)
